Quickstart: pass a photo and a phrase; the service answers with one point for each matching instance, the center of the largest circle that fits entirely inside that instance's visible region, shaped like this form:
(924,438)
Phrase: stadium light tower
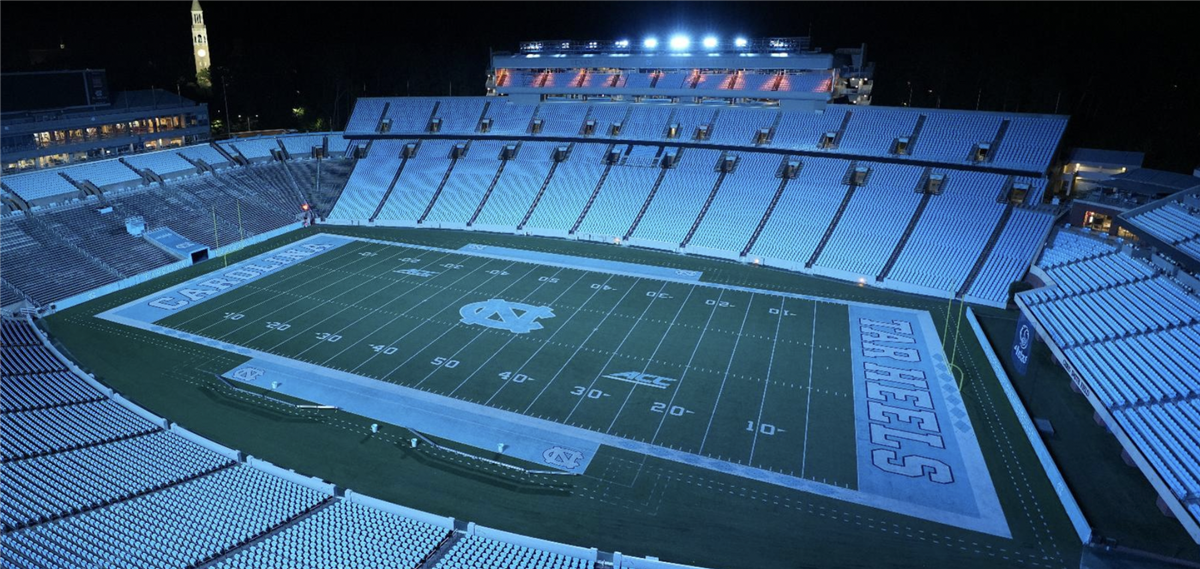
(740,42)
(650,43)
(710,42)
(680,42)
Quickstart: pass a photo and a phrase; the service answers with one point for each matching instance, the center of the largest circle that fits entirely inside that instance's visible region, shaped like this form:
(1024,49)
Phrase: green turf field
(741,378)
(626,501)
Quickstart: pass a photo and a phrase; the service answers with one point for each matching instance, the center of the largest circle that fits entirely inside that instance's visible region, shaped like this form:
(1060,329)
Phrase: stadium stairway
(542,190)
(707,203)
(783,182)
(592,198)
(908,231)
(267,535)
(392,186)
(987,250)
(837,216)
(491,187)
(662,173)
(441,186)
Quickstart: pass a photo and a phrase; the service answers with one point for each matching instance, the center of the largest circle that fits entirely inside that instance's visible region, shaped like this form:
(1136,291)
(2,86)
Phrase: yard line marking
(447,331)
(617,350)
(260,318)
(808,406)
(651,360)
(483,331)
(322,304)
(401,315)
(514,337)
(223,303)
(402,280)
(551,337)
(766,384)
(414,328)
(688,367)
(583,343)
(728,367)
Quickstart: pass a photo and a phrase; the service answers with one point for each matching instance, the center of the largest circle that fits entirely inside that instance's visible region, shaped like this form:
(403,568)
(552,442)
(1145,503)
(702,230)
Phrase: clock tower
(200,43)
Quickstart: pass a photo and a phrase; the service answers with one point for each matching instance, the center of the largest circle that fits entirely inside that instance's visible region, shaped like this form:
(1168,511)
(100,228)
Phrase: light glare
(710,42)
(680,42)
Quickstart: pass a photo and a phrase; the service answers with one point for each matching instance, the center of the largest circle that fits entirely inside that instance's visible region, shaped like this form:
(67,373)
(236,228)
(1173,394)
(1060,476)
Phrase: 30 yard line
(725,378)
(808,406)
(402,280)
(766,383)
(268,314)
(617,350)
(556,331)
(364,281)
(582,344)
(651,359)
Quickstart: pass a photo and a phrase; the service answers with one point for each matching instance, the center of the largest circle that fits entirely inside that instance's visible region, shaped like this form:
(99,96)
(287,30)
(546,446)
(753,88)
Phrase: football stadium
(668,301)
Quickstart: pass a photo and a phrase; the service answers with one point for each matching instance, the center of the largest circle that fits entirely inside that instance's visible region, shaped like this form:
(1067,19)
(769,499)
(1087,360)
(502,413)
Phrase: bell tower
(200,44)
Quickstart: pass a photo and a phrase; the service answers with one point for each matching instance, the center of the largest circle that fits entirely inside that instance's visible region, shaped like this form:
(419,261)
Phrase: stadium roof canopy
(1100,157)
(1146,181)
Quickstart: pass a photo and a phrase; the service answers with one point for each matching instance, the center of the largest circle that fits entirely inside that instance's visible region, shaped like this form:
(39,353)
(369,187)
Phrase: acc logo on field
(639,378)
(502,315)
(248,374)
(562,457)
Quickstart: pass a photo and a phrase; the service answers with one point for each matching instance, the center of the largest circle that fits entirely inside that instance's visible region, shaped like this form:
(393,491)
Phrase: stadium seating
(950,137)
(804,211)
(874,222)
(1011,256)
(104,173)
(1173,222)
(40,184)
(343,535)
(417,184)
(678,200)
(951,232)
(164,163)
(741,202)
(569,191)
(473,552)
(467,184)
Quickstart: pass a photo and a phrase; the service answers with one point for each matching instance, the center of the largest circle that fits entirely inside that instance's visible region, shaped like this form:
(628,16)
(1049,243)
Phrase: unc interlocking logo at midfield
(562,457)
(502,315)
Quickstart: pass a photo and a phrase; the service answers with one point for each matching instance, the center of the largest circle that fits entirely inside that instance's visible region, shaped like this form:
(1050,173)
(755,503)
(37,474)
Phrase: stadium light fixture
(650,43)
(680,42)
(710,42)
(740,42)
(622,44)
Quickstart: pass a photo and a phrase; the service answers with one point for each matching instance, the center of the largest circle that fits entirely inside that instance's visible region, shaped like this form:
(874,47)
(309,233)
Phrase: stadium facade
(95,124)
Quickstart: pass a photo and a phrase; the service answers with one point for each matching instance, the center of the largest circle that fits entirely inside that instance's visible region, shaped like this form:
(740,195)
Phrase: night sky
(1128,74)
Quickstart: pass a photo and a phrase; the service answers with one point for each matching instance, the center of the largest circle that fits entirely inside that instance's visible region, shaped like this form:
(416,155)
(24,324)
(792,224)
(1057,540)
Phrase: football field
(727,374)
(546,359)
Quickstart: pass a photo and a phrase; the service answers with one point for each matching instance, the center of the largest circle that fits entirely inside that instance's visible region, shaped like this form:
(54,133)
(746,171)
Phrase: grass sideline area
(625,502)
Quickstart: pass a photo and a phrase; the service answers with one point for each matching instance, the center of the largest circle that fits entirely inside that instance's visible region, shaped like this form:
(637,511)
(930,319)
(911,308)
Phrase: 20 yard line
(268,314)
(688,367)
(652,356)
(808,406)
(766,383)
(232,299)
(616,351)
(728,367)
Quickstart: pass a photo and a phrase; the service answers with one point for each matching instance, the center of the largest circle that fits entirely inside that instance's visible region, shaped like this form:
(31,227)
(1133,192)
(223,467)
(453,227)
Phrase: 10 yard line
(808,406)
(767,383)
